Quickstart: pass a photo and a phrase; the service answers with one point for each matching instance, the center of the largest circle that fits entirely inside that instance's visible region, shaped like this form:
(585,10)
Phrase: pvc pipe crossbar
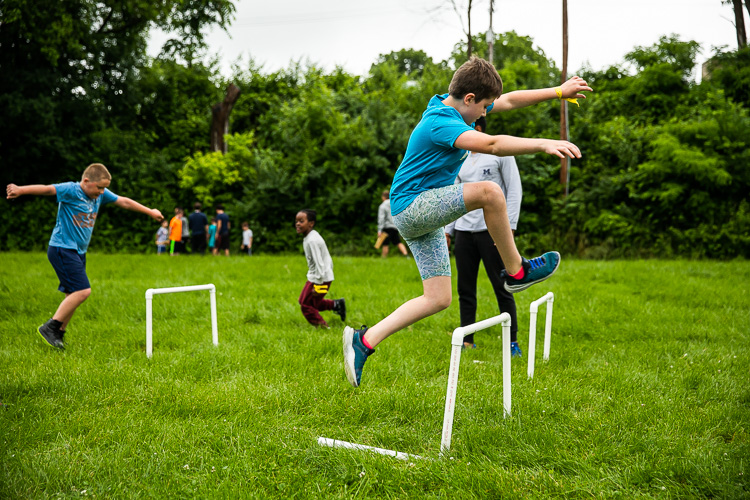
(335,443)
(549,299)
(457,342)
(177,289)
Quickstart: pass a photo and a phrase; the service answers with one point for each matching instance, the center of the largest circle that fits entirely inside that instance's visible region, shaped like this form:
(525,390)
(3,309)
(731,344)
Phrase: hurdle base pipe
(457,341)
(335,443)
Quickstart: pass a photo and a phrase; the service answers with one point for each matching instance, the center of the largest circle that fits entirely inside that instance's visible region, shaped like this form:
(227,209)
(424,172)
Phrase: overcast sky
(351,33)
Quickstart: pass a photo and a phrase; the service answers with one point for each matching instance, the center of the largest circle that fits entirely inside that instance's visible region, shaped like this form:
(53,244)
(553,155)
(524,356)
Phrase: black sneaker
(339,307)
(50,331)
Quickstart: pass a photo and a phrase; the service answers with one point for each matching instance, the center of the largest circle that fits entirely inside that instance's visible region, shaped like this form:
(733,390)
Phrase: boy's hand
(572,88)
(13,191)
(156,214)
(561,149)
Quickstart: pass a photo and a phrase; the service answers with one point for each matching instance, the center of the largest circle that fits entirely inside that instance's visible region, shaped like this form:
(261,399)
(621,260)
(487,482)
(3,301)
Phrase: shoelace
(537,262)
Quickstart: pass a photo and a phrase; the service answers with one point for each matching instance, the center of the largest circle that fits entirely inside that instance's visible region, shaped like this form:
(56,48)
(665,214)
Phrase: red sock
(519,275)
(366,343)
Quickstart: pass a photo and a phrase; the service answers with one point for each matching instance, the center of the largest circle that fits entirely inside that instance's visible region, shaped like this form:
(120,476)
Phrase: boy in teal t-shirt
(424,197)
(78,207)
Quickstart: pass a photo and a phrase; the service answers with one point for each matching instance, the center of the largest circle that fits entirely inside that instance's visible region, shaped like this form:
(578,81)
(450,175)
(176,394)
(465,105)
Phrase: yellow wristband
(558,91)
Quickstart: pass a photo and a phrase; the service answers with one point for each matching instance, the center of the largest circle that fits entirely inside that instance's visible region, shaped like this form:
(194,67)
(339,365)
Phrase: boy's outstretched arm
(133,205)
(14,191)
(508,145)
(521,98)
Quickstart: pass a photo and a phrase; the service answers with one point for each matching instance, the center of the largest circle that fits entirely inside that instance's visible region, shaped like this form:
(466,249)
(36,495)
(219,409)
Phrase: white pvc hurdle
(549,298)
(176,289)
(457,341)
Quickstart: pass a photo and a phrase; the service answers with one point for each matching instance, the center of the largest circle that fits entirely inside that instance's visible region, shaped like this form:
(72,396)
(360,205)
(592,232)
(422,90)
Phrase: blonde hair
(476,76)
(96,172)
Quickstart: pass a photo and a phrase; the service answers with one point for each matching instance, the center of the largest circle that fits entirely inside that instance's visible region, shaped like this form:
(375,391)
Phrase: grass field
(646,394)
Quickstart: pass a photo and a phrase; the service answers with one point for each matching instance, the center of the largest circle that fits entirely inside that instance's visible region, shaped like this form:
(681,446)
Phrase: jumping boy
(319,274)
(424,197)
(78,206)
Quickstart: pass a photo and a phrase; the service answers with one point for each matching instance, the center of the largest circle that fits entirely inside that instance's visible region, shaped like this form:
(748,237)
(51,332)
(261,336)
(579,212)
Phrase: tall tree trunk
(220,119)
(563,103)
(739,24)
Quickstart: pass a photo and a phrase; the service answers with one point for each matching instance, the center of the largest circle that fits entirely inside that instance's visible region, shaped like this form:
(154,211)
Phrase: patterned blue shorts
(422,225)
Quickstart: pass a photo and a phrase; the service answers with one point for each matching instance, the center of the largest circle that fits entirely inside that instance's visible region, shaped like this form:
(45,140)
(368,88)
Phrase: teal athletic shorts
(422,224)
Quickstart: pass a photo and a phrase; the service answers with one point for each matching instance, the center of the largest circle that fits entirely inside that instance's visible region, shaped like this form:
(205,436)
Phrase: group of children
(174,235)
(423,200)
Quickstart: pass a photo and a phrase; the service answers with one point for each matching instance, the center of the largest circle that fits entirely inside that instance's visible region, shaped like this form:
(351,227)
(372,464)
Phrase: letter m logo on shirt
(485,171)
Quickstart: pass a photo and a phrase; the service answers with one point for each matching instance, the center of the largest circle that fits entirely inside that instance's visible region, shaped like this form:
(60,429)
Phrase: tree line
(665,171)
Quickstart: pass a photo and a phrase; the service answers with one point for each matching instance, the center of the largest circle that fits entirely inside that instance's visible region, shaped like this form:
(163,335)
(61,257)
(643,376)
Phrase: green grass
(646,394)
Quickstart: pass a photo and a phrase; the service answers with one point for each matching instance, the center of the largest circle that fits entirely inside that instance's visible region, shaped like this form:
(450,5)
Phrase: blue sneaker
(536,270)
(515,350)
(355,354)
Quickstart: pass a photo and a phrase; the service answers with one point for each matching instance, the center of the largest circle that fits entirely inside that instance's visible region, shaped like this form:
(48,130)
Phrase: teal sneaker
(355,354)
(515,350)
(536,270)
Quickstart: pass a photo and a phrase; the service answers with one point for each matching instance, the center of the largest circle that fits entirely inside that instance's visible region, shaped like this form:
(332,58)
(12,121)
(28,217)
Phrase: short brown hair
(476,76)
(96,172)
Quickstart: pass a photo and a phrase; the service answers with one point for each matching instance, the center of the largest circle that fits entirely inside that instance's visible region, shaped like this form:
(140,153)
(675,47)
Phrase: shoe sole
(520,288)
(39,331)
(351,374)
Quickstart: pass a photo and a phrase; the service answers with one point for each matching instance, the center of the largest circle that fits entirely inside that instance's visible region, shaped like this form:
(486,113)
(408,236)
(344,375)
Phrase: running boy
(319,274)
(78,206)
(424,198)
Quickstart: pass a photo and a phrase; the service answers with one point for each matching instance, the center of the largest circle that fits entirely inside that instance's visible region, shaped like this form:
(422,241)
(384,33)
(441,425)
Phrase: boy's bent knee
(483,194)
(493,192)
(83,294)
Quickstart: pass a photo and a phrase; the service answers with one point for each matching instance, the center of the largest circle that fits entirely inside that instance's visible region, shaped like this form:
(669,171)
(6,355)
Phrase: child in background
(175,232)
(247,239)
(212,236)
(319,275)
(162,238)
(78,207)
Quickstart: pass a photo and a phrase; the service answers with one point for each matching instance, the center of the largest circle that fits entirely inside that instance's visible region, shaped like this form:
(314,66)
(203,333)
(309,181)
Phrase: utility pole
(564,167)
(491,36)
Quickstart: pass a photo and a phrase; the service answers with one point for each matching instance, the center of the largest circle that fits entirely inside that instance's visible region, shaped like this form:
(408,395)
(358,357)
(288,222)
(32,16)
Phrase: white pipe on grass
(335,443)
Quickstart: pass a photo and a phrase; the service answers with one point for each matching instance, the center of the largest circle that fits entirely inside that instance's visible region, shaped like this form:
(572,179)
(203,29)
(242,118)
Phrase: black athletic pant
(469,249)
(199,243)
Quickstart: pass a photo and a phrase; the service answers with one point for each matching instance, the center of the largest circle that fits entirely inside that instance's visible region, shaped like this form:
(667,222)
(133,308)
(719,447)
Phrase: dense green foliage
(645,394)
(666,166)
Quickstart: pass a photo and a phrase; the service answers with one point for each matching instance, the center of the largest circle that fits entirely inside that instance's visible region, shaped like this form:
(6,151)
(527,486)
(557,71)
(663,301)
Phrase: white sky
(352,33)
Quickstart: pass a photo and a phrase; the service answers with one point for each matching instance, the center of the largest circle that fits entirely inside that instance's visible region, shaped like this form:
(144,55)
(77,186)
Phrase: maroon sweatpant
(312,300)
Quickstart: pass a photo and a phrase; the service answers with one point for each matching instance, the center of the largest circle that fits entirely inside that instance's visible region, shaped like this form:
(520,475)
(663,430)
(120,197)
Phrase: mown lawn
(646,394)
